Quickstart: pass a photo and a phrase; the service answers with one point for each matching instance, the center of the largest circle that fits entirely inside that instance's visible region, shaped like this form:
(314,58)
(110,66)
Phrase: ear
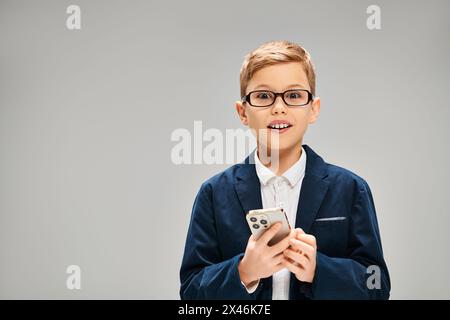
(242,113)
(315,110)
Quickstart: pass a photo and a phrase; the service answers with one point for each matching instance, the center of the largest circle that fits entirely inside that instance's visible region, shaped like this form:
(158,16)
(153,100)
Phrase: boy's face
(279,78)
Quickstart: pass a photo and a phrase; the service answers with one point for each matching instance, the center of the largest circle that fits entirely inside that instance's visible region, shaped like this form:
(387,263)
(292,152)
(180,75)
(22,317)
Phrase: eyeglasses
(265,98)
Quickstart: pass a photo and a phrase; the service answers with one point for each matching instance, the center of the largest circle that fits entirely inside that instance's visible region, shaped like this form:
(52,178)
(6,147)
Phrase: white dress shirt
(281,191)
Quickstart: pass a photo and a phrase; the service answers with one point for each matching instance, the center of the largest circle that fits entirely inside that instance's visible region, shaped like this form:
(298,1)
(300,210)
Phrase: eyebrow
(301,86)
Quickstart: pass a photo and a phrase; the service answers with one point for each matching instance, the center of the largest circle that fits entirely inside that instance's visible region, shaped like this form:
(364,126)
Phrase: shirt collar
(293,175)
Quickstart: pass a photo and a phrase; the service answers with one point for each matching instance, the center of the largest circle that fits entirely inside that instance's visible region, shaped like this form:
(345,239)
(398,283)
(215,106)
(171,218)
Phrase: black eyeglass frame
(246,98)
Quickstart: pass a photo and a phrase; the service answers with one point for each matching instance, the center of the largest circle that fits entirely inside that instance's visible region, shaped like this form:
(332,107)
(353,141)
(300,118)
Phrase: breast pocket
(331,235)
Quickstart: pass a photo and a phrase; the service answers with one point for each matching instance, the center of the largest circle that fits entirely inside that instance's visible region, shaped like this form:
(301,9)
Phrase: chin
(285,147)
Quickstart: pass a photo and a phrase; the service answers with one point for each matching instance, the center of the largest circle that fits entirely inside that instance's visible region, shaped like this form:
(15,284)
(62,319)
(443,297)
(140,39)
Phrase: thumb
(299,231)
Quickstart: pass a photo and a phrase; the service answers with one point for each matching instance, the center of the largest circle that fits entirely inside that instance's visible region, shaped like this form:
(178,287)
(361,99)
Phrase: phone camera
(256,226)
(263,221)
(253,219)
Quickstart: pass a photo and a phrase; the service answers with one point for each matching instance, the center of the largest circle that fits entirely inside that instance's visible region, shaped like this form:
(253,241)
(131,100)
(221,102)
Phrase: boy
(335,246)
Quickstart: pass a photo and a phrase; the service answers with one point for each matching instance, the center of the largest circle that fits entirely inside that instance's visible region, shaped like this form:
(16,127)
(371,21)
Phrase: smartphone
(262,219)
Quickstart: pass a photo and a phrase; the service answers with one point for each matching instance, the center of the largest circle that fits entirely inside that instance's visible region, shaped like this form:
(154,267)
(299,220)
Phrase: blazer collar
(313,190)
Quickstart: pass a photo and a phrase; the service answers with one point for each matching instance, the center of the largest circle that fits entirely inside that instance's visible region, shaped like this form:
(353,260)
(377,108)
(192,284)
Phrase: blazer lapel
(248,190)
(247,185)
(313,190)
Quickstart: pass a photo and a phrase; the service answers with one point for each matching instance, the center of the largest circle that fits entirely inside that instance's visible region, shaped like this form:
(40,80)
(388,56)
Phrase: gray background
(86,117)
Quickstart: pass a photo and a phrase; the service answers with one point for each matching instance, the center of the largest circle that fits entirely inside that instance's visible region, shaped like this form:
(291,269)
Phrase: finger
(270,233)
(297,257)
(309,239)
(298,231)
(281,245)
(293,262)
(278,267)
(297,270)
(304,247)
(278,258)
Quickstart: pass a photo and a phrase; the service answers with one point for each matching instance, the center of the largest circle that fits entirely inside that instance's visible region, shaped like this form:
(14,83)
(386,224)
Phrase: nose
(279,107)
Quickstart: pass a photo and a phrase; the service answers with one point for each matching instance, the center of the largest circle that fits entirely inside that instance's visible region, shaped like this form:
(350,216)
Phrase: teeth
(279,126)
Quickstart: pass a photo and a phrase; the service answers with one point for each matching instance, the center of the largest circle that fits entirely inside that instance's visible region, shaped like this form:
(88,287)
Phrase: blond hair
(275,52)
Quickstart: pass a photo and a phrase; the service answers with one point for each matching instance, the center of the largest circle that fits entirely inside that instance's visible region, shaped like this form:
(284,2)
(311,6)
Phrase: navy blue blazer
(218,234)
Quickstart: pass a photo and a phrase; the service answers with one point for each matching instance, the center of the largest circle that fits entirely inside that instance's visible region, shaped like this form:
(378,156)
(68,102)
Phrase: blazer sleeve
(204,274)
(348,278)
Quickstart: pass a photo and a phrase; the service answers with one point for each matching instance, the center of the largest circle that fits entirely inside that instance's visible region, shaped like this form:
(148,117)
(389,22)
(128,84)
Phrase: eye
(295,95)
(264,95)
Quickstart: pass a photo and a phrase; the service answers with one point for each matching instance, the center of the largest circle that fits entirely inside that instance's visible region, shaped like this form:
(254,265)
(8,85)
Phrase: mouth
(279,127)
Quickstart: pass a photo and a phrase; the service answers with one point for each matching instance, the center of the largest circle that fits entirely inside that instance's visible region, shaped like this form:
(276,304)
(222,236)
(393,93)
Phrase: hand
(261,260)
(300,257)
